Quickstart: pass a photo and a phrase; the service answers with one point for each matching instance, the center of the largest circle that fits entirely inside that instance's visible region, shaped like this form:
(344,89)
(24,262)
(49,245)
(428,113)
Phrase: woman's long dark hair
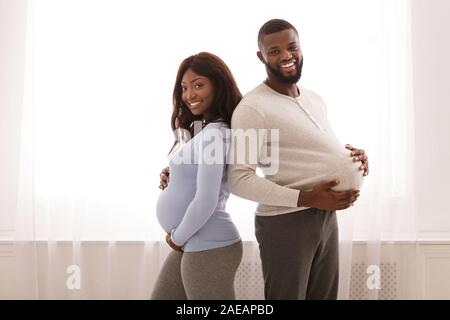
(226,92)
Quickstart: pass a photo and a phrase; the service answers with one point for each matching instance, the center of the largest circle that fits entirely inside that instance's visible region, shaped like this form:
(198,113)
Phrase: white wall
(431,52)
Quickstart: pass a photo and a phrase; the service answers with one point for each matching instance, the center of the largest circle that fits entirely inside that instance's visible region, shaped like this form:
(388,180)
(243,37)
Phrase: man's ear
(260,56)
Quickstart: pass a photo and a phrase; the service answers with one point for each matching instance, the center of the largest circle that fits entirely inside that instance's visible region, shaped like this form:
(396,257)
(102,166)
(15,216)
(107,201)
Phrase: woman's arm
(212,161)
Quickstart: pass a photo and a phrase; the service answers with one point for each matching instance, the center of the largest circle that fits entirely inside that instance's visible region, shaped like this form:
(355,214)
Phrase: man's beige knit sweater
(308,150)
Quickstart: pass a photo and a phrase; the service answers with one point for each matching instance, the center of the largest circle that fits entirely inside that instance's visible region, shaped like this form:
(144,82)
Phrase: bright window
(101,82)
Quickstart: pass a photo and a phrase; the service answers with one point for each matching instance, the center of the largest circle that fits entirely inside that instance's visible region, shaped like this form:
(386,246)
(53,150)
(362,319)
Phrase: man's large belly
(313,167)
(347,172)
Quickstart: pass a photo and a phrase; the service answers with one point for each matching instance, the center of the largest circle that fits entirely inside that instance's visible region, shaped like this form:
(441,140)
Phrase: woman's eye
(198,86)
(183,89)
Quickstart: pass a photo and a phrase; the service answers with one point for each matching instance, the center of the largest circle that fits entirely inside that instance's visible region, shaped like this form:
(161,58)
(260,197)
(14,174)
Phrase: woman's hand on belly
(164,178)
(171,244)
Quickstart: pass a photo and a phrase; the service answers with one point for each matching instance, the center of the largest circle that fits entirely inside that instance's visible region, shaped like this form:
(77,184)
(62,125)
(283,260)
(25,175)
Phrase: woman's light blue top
(192,207)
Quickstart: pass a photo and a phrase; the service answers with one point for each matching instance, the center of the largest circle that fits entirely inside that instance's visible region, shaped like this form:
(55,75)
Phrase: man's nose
(286,55)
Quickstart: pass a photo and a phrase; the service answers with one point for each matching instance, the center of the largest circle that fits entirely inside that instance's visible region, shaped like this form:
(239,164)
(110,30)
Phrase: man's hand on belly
(359,155)
(322,197)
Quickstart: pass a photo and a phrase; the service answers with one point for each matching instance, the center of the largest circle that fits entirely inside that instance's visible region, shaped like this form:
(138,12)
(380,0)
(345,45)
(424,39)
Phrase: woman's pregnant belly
(171,206)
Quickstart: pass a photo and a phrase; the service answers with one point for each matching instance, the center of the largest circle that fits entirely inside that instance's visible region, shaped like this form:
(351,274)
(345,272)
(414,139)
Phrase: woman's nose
(191,94)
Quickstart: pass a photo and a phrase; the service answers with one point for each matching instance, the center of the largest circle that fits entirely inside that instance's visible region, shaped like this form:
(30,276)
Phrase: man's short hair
(272,26)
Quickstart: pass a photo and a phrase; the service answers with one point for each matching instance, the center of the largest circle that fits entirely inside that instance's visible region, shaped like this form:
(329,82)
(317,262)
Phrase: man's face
(282,56)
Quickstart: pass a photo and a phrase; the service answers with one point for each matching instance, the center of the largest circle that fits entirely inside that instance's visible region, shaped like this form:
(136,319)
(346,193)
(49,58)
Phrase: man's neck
(283,88)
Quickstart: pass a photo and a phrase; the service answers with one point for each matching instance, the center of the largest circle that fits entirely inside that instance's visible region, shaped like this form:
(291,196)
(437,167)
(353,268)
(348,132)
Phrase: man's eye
(274,52)
(293,48)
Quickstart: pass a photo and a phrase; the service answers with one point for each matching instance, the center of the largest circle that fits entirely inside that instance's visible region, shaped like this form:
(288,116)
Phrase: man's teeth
(288,65)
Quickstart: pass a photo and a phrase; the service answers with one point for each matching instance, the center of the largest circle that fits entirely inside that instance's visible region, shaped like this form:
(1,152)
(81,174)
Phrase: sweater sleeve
(242,177)
(212,155)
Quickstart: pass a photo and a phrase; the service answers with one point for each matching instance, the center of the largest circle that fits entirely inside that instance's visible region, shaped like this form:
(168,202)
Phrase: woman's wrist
(172,244)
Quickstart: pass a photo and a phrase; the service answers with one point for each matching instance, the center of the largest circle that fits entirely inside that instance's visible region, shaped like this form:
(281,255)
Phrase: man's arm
(242,178)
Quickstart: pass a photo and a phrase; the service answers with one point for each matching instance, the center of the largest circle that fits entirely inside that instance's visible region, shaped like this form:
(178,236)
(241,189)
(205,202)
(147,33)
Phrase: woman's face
(197,92)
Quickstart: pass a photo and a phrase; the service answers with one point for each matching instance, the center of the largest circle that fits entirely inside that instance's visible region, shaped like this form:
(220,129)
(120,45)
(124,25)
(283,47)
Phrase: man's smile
(288,66)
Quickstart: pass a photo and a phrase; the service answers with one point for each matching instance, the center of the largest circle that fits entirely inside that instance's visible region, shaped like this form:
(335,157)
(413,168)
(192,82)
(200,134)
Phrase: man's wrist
(304,199)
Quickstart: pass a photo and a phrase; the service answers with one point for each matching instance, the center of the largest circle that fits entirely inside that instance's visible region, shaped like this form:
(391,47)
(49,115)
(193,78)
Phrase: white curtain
(380,118)
(88,128)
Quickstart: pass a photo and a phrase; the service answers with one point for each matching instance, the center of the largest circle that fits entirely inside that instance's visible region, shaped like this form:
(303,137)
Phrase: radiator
(388,288)
(249,281)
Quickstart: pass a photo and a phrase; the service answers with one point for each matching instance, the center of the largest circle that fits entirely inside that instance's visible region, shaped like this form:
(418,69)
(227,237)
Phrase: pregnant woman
(207,248)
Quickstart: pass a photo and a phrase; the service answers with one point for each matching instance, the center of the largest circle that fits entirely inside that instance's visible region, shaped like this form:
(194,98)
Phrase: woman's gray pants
(202,275)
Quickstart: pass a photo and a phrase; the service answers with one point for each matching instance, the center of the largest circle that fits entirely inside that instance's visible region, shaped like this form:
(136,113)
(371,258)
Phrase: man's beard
(282,78)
